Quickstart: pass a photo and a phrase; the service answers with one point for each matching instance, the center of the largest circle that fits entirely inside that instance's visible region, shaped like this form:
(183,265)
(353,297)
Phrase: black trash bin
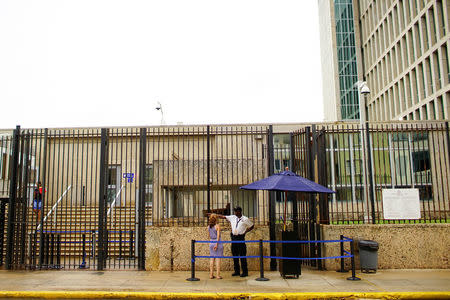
(368,256)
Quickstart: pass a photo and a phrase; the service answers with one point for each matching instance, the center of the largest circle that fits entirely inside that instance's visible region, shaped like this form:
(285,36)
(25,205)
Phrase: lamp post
(363,91)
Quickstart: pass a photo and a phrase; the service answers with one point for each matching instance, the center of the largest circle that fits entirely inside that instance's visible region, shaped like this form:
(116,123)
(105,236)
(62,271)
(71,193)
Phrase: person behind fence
(215,249)
(37,200)
(240,225)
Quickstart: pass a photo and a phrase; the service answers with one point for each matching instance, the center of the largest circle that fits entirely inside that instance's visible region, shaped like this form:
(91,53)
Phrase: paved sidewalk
(175,282)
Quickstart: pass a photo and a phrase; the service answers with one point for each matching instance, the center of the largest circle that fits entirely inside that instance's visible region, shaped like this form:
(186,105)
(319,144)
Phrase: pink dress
(213,237)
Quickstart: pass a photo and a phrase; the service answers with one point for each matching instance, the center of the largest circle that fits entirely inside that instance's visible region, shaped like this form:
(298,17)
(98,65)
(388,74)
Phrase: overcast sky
(107,63)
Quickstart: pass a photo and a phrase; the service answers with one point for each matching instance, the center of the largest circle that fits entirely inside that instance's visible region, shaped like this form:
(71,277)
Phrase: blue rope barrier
(249,256)
(269,241)
(347,252)
(307,258)
(305,242)
(226,242)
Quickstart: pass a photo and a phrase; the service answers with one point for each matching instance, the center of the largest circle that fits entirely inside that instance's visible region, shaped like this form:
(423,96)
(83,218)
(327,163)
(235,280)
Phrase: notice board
(401,204)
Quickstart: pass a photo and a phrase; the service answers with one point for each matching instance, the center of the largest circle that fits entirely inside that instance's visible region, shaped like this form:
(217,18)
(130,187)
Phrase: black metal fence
(99,188)
(359,163)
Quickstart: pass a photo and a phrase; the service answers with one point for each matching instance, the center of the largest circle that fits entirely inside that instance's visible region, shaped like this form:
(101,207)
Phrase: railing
(54,208)
(112,206)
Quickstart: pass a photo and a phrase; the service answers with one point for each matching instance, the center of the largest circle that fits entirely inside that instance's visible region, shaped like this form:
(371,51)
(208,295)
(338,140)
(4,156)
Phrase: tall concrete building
(401,48)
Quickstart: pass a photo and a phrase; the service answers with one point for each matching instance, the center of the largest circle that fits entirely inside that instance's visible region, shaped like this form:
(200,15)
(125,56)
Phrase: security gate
(89,216)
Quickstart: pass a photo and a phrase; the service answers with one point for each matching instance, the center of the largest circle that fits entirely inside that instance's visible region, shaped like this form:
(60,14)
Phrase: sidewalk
(175,282)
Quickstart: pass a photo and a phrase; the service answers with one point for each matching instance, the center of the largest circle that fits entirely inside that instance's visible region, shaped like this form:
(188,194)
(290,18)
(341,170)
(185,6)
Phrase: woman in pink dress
(215,249)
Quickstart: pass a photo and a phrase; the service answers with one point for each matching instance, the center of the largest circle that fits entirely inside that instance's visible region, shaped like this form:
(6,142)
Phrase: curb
(160,295)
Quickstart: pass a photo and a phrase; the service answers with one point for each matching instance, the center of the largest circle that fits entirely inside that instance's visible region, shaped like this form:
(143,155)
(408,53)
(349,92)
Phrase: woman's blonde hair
(212,220)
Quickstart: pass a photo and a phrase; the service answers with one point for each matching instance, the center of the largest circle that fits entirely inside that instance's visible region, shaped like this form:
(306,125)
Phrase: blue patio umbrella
(287,181)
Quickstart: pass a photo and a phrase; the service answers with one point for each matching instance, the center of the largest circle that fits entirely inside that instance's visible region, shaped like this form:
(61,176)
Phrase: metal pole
(41,221)
(352,251)
(208,169)
(448,140)
(52,248)
(261,263)
(141,208)
(192,278)
(342,270)
(2,227)
(102,201)
(369,173)
(12,199)
(272,236)
(293,195)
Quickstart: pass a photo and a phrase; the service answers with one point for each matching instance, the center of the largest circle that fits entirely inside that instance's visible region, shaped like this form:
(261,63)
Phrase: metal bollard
(352,249)
(342,270)
(261,263)
(192,278)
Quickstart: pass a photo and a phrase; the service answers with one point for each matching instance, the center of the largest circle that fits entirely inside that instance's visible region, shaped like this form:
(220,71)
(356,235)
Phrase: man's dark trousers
(239,249)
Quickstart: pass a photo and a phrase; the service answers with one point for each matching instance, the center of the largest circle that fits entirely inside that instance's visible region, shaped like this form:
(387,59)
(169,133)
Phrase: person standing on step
(240,225)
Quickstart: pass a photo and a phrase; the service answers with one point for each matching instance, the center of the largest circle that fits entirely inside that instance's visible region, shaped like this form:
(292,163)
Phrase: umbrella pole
(285,203)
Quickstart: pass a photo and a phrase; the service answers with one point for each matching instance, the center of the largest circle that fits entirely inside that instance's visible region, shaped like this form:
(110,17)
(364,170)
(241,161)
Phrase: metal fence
(359,163)
(101,187)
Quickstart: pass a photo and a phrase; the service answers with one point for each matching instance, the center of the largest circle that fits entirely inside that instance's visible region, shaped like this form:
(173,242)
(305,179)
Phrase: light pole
(159,107)
(363,91)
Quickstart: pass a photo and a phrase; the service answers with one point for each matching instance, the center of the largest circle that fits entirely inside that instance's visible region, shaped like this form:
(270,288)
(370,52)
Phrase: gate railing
(54,208)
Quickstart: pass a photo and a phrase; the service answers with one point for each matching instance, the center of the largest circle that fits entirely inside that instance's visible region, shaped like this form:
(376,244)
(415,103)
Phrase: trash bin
(368,256)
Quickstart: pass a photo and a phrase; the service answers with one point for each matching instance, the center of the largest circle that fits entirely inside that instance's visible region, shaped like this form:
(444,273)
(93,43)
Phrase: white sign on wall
(401,204)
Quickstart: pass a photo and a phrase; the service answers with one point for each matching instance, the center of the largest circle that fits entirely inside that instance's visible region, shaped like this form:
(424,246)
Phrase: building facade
(399,47)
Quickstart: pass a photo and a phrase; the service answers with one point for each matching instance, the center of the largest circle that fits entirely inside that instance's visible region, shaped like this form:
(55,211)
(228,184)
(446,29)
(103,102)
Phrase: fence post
(102,245)
(261,263)
(208,170)
(41,221)
(369,173)
(141,203)
(448,140)
(192,278)
(293,195)
(13,168)
(52,248)
(271,163)
(342,270)
(352,251)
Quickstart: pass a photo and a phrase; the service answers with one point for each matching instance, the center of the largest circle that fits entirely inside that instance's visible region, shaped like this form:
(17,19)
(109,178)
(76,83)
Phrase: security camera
(158,108)
(364,89)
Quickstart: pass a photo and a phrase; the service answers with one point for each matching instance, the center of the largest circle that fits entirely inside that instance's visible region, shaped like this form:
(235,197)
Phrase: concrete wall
(401,246)
(166,244)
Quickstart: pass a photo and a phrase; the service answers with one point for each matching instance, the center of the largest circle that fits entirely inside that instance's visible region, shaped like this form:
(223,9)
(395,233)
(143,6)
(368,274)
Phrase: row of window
(405,51)
(424,80)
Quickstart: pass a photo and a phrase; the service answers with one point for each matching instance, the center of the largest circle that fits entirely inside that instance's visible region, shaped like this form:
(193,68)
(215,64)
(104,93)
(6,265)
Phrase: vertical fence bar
(44,198)
(272,236)
(2,227)
(102,202)
(369,173)
(208,170)
(141,211)
(13,167)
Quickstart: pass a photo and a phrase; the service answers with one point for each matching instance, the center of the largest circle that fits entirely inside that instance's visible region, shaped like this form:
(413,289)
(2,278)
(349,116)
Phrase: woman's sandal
(219,277)
(212,277)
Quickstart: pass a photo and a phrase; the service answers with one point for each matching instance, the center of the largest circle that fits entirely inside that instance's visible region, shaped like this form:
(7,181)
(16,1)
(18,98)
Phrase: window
(113,192)
(148,185)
